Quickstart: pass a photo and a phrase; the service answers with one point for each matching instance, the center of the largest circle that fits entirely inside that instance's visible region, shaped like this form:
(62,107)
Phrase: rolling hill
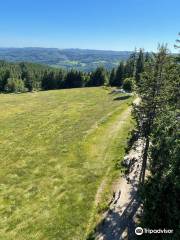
(80,59)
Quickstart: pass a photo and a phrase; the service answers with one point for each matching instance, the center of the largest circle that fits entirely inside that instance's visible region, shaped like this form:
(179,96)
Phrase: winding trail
(119,221)
(100,148)
(111,134)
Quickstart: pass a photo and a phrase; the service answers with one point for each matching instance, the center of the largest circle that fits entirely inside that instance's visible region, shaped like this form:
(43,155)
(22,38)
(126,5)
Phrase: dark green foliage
(41,77)
(150,87)
(28,81)
(118,80)
(49,81)
(4,75)
(14,85)
(37,77)
(177,45)
(74,79)
(130,66)
(98,77)
(112,77)
(139,65)
(128,84)
(147,58)
(60,78)
(162,190)
(157,118)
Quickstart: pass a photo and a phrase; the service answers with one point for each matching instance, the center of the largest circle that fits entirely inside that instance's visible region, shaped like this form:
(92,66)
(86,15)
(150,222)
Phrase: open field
(57,149)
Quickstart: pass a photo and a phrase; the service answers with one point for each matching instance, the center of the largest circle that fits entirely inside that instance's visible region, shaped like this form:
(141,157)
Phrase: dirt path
(100,149)
(109,136)
(119,221)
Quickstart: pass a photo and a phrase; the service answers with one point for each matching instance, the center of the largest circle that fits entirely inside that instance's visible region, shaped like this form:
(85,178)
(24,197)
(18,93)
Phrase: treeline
(158,122)
(22,77)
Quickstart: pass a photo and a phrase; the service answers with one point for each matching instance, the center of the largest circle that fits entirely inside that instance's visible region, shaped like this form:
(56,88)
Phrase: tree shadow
(121,98)
(121,219)
(116,91)
(114,224)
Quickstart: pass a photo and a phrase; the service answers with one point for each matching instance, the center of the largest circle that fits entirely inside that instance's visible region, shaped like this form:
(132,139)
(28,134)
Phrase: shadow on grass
(121,98)
(116,222)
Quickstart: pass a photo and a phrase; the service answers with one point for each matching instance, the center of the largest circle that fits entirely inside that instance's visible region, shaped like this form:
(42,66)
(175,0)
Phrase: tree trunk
(144,161)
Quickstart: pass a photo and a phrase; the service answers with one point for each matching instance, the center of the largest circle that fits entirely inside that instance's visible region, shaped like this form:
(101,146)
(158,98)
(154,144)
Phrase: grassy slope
(56,148)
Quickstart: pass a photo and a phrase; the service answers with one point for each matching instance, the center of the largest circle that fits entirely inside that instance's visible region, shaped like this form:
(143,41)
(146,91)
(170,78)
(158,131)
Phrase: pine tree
(45,81)
(4,76)
(160,194)
(28,81)
(130,66)
(139,65)
(112,77)
(119,75)
(98,77)
(27,76)
(150,88)
(60,78)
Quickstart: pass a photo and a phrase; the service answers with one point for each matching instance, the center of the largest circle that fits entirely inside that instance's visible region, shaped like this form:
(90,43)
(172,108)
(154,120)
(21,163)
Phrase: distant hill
(81,59)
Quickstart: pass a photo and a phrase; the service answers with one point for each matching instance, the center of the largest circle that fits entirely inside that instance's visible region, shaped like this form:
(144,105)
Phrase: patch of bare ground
(119,221)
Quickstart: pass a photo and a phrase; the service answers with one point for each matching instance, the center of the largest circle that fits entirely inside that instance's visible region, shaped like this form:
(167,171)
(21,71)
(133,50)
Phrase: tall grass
(53,146)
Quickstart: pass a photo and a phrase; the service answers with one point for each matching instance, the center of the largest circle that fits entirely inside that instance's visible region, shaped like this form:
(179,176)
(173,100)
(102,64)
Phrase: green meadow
(58,152)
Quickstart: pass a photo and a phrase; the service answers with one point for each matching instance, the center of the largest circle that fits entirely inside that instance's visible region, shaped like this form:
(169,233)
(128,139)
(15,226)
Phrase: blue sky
(89,24)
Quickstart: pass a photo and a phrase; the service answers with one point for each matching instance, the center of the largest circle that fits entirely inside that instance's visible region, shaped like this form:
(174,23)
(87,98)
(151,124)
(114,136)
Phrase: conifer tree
(139,65)
(119,75)
(98,77)
(112,77)
(160,193)
(150,88)
(130,66)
